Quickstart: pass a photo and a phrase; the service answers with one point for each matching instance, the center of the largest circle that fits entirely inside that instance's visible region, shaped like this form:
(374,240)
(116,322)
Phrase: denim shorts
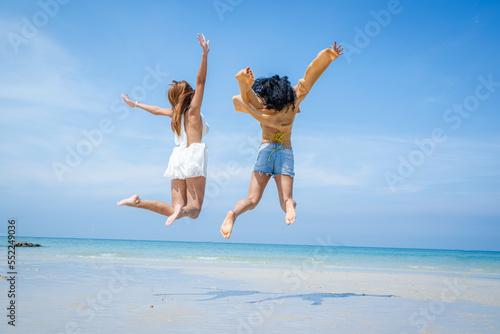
(279,162)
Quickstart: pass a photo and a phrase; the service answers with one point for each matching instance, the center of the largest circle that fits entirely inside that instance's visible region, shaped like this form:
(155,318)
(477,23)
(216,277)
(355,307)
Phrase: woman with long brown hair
(187,166)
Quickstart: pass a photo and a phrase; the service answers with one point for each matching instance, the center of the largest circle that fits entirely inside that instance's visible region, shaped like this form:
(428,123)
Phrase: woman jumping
(274,103)
(187,167)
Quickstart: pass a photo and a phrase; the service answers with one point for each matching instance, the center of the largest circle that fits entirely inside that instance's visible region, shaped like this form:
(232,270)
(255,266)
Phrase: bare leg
(155,206)
(285,189)
(258,183)
(195,191)
(178,199)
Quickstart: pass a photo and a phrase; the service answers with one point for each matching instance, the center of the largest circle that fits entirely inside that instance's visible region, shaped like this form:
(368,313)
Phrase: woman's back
(193,128)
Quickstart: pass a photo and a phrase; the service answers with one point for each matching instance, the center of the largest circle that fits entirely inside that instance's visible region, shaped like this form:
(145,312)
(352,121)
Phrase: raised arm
(315,70)
(201,77)
(246,79)
(152,109)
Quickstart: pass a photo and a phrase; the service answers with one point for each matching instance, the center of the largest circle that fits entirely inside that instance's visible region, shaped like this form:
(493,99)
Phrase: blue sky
(397,145)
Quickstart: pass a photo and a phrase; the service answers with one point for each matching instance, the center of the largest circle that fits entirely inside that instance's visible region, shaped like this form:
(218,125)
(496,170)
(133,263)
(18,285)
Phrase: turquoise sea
(474,263)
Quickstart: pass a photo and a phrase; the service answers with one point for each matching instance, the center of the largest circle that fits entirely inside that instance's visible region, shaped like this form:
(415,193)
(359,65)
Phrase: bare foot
(133,200)
(290,212)
(227,226)
(173,216)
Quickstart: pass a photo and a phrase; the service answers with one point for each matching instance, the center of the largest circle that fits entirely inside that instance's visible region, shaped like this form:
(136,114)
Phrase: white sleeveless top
(182,140)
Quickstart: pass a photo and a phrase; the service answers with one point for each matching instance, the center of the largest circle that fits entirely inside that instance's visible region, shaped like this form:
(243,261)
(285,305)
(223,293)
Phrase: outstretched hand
(336,49)
(204,43)
(127,100)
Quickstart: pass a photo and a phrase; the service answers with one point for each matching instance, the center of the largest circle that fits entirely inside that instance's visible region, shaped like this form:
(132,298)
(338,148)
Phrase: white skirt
(187,162)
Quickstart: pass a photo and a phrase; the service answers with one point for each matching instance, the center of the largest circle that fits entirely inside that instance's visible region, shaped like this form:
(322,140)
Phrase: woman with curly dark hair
(274,103)
(187,166)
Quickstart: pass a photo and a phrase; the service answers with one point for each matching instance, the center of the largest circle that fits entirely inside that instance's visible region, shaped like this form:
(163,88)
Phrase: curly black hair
(276,92)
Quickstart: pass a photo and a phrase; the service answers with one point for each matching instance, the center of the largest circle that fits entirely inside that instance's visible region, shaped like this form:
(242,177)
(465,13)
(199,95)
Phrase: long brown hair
(179,96)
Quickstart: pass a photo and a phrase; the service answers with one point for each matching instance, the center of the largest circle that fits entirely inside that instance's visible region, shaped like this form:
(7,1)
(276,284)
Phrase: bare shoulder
(193,111)
(193,115)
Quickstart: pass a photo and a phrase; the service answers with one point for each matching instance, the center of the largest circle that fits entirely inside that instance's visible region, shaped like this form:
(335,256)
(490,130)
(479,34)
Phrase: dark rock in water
(25,244)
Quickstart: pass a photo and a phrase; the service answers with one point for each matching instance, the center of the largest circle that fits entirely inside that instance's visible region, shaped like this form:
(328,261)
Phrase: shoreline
(304,266)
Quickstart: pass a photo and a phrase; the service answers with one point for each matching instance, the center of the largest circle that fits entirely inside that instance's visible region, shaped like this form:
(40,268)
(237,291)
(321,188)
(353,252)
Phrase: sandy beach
(85,296)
